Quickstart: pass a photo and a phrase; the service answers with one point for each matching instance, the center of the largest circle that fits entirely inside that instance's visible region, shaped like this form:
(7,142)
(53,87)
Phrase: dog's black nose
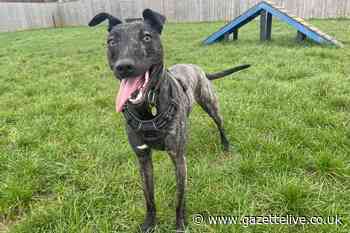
(125,67)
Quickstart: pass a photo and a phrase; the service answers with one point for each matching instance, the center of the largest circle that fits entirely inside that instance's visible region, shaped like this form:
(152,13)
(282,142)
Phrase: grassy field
(66,166)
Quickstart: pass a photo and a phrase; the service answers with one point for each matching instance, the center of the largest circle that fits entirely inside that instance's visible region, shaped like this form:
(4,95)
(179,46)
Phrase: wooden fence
(19,16)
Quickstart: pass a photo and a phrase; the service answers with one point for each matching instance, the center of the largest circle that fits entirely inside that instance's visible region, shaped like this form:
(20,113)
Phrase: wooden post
(227,37)
(235,34)
(265,26)
(300,37)
(53,21)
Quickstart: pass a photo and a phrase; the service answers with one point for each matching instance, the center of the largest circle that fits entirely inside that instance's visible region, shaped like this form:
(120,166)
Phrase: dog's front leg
(144,156)
(181,176)
(177,154)
(146,171)
(176,146)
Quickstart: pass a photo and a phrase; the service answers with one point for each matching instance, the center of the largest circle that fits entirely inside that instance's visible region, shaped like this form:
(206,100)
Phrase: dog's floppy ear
(112,21)
(155,19)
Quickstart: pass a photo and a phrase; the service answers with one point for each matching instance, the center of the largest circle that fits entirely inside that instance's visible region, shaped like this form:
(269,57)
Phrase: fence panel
(19,16)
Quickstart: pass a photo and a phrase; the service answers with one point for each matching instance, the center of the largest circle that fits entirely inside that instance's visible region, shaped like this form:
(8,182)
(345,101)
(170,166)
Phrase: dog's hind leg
(207,99)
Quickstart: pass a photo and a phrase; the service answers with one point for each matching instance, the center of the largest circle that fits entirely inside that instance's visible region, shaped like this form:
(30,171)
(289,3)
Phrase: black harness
(157,123)
(150,129)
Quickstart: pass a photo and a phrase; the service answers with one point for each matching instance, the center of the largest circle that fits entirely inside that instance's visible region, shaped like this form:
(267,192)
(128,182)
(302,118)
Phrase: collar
(157,74)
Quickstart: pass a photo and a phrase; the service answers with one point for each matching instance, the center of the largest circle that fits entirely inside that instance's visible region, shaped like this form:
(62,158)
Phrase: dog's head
(134,50)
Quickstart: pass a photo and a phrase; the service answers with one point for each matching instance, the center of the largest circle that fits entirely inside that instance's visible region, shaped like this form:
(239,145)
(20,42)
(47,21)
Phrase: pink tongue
(127,87)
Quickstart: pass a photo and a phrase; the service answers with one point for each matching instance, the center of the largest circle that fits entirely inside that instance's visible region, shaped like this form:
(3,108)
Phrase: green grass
(66,166)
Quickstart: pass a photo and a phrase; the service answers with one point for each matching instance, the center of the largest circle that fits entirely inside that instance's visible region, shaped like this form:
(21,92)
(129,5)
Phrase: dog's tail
(226,72)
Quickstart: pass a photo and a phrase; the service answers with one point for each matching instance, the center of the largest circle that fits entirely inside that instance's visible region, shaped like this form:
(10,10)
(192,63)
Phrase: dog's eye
(112,43)
(147,38)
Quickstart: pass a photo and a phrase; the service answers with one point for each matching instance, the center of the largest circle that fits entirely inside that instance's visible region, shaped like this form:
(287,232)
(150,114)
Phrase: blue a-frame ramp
(268,9)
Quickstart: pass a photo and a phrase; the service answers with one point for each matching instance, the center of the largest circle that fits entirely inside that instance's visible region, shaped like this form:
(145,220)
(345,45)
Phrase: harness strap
(162,119)
(152,94)
(155,124)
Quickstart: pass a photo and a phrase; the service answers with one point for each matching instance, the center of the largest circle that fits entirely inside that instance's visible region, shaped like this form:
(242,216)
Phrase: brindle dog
(156,102)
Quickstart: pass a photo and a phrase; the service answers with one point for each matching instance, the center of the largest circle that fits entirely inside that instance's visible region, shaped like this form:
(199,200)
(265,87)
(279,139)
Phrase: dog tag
(154,110)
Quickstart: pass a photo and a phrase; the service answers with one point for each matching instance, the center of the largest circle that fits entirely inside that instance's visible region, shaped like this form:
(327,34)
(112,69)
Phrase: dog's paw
(226,147)
(225,144)
(146,228)
(181,231)
(180,227)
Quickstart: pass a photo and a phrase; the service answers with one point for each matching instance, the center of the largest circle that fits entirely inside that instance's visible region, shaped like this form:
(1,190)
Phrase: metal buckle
(139,127)
(155,127)
(151,99)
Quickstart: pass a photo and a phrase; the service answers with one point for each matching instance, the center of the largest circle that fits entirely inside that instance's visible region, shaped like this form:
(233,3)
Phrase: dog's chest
(152,133)
(154,139)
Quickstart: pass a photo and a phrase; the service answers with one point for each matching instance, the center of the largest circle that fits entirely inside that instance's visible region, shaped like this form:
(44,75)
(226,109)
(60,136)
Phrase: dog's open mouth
(132,89)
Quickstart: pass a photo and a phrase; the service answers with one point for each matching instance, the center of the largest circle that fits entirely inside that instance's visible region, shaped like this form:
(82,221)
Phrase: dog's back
(193,81)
